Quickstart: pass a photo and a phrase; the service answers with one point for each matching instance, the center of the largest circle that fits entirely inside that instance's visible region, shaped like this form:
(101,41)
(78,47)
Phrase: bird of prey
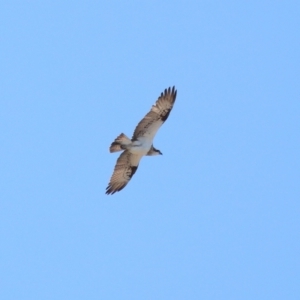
(141,143)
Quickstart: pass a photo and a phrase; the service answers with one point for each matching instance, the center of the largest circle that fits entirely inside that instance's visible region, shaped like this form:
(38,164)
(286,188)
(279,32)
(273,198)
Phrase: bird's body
(141,143)
(141,146)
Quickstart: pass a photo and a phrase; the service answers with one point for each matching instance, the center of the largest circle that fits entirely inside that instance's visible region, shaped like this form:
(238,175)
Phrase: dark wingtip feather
(168,91)
(111,191)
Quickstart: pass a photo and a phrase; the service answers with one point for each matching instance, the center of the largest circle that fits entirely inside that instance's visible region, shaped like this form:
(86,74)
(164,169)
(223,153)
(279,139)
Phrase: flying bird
(141,143)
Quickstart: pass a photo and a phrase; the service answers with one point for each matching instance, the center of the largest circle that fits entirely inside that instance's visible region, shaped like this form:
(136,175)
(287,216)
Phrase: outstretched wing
(126,166)
(157,115)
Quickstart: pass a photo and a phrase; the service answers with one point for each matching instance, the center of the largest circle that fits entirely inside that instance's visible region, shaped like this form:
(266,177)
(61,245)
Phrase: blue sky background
(215,217)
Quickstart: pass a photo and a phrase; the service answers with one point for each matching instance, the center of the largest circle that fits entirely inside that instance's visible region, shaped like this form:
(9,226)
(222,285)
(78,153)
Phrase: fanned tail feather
(119,143)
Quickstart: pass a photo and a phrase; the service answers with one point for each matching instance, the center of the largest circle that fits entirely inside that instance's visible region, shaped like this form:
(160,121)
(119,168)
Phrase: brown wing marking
(125,168)
(158,114)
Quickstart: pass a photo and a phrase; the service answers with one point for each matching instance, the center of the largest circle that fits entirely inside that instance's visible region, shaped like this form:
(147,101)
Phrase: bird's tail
(119,143)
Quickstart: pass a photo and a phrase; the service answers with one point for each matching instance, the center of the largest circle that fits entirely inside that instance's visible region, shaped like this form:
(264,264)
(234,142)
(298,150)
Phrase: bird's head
(156,152)
(153,151)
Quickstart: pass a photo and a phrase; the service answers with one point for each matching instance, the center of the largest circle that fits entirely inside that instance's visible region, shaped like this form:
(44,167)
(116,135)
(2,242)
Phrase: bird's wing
(158,114)
(125,167)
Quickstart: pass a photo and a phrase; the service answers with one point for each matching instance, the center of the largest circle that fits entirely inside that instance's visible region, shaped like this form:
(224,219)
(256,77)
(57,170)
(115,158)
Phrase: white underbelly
(141,146)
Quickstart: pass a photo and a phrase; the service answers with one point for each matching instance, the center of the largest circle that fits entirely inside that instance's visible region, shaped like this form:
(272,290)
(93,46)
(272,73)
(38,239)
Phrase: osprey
(141,143)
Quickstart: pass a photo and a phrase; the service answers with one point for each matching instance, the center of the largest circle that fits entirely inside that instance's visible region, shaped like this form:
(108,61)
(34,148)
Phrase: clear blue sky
(215,217)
